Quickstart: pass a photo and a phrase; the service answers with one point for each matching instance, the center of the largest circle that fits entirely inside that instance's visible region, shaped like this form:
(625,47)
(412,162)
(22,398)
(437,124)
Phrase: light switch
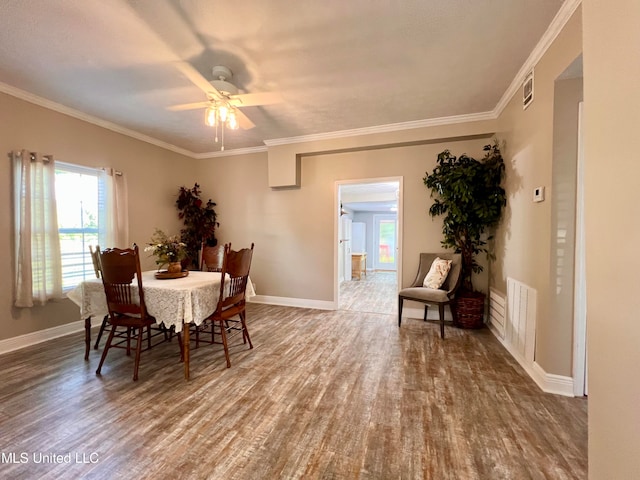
(538,194)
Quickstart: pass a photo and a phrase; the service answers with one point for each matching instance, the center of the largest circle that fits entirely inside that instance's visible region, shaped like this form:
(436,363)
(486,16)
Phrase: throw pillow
(437,273)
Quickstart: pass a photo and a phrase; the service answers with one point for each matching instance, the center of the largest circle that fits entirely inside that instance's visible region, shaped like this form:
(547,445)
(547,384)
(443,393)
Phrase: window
(81,211)
(58,203)
(385,237)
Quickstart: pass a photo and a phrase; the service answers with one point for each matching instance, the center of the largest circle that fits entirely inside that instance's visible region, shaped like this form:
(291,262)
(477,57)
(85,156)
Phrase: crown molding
(557,24)
(230,153)
(392,127)
(559,21)
(56,107)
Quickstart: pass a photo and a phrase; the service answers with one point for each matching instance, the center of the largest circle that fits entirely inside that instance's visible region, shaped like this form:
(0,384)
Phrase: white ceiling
(380,197)
(338,65)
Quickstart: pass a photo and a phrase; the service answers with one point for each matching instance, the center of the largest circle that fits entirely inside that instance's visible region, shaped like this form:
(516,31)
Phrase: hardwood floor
(323,394)
(377,292)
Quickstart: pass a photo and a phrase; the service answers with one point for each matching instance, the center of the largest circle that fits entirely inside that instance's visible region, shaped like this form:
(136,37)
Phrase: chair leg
(441,310)
(128,341)
(426,309)
(106,349)
(244,328)
(400,300)
(87,337)
(224,343)
(102,328)
(136,363)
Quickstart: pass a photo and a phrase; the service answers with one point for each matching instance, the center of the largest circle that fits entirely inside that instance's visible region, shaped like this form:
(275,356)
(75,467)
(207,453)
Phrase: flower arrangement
(167,249)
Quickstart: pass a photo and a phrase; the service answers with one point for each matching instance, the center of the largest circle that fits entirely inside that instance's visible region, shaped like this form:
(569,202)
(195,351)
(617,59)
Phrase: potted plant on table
(200,222)
(168,250)
(469,193)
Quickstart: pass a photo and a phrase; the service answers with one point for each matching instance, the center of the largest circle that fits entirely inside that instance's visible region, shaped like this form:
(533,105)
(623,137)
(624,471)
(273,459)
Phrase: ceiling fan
(223,100)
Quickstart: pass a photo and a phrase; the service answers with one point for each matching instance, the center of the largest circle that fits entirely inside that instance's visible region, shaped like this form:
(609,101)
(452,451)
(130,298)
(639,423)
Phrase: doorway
(368,239)
(568,283)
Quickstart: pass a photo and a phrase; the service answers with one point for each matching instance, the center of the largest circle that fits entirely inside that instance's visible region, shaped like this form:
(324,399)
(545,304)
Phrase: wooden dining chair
(122,280)
(229,318)
(211,258)
(95,258)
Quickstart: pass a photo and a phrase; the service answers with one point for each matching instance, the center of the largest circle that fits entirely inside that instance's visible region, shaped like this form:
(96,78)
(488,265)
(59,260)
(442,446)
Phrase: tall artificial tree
(200,221)
(469,193)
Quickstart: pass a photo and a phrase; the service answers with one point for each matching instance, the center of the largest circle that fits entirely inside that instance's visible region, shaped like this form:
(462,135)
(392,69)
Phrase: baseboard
(497,333)
(22,341)
(548,382)
(294,302)
(551,383)
(29,339)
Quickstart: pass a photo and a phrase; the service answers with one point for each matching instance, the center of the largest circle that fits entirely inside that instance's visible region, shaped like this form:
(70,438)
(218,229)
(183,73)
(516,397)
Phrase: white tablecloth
(173,302)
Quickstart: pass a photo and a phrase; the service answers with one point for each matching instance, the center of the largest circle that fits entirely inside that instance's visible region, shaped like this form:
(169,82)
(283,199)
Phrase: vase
(174,267)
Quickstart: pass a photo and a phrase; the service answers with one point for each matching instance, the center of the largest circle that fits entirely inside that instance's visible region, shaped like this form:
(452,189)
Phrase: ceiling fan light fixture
(221,114)
(210,116)
(232,121)
(223,111)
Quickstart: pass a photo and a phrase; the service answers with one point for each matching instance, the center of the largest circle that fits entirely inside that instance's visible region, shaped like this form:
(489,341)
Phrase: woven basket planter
(468,309)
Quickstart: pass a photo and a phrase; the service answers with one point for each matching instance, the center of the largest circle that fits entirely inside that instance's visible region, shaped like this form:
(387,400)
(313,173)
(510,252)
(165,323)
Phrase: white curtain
(37,244)
(114,228)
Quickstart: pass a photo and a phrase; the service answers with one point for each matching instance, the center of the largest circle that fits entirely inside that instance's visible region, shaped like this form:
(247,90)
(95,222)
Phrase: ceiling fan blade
(197,79)
(254,99)
(188,106)
(243,121)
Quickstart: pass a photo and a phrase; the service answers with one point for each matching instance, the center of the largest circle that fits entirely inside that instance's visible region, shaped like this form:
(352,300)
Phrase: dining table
(174,301)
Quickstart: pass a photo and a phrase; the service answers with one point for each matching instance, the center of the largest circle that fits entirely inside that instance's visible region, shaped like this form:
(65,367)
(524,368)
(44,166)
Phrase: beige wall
(612,172)
(523,242)
(153,176)
(294,229)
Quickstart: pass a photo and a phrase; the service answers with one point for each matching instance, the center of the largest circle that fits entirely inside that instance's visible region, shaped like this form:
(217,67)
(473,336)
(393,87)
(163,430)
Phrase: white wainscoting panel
(520,329)
(497,312)
(519,334)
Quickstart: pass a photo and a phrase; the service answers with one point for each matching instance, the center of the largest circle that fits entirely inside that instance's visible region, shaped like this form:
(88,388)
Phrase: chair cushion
(437,273)
(424,294)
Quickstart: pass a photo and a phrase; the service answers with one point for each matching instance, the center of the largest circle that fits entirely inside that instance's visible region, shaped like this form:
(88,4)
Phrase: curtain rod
(48,158)
(112,171)
(32,155)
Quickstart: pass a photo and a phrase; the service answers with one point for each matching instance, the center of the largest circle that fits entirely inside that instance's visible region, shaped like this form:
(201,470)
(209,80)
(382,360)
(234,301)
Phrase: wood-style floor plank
(323,394)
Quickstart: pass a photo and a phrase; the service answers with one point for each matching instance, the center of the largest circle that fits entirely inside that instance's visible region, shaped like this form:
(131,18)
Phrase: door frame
(580,287)
(336,220)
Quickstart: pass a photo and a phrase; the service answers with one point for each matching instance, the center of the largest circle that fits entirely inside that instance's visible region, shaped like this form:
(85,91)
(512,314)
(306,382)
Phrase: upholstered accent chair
(433,296)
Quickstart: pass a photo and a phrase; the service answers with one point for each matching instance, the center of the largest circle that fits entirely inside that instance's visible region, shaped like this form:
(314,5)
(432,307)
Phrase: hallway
(377,292)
